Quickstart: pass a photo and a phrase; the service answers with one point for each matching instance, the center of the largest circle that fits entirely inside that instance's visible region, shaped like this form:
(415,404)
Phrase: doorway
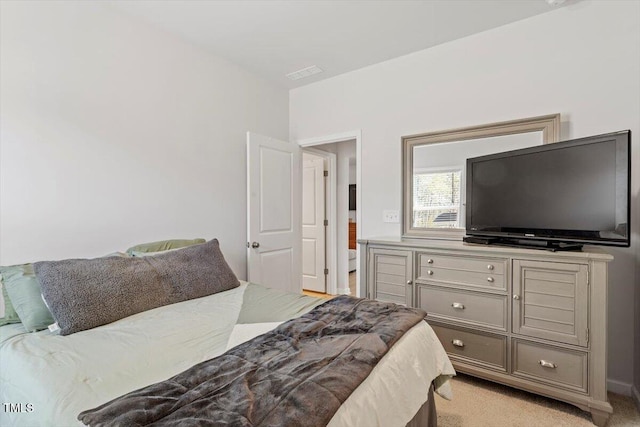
(314,222)
(343,212)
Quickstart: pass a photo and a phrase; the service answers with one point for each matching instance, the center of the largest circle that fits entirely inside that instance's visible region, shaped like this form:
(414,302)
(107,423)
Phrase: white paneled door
(313,227)
(273,213)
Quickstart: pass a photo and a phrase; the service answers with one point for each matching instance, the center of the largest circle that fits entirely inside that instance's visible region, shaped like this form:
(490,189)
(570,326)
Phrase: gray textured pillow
(86,293)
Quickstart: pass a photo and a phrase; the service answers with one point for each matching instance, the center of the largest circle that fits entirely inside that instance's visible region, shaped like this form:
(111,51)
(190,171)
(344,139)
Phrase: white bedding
(62,376)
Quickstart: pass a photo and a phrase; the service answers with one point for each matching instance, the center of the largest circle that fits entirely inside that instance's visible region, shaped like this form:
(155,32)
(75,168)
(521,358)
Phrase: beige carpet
(479,403)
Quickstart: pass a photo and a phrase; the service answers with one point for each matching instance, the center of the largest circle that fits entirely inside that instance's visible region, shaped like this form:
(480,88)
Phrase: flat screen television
(556,196)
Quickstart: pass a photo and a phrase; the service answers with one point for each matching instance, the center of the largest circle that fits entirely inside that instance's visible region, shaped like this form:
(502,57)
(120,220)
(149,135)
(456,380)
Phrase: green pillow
(25,294)
(138,254)
(118,254)
(9,313)
(164,245)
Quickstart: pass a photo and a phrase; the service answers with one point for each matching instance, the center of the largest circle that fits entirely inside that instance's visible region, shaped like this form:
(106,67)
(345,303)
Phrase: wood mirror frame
(548,125)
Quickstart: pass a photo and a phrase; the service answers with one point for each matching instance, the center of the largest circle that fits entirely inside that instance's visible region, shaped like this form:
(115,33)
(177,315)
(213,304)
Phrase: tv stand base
(524,243)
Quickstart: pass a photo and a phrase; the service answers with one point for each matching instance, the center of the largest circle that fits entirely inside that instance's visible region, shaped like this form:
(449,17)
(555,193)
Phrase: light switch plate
(391,216)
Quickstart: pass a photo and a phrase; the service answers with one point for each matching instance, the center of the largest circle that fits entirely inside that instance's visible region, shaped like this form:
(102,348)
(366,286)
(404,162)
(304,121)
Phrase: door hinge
(326,271)
(326,173)
(587,335)
(326,222)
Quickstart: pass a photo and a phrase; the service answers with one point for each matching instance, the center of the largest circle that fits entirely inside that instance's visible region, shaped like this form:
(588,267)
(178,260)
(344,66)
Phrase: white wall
(582,61)
(352,170)
(115,133)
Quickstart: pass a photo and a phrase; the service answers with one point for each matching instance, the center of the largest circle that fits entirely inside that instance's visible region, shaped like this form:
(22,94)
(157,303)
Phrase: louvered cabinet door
(551,301)
(390,276)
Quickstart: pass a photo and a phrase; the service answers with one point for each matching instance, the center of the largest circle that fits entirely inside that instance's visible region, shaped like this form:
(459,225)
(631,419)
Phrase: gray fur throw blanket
(295,375)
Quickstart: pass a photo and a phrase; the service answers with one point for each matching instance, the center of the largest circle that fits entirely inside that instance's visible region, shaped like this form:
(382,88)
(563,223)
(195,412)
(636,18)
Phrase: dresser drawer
(486,350)
(473,272)
(480,265)
(556,366)
(475,309)
(472,279)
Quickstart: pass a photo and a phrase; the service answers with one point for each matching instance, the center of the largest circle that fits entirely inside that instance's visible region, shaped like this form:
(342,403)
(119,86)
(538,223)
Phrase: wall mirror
(433,167)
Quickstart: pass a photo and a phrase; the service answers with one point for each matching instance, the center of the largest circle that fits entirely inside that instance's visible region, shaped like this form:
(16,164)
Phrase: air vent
(305,72)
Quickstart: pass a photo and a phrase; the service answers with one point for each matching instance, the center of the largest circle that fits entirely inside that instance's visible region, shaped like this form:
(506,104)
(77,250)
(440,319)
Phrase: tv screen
(352,197)
(571,191)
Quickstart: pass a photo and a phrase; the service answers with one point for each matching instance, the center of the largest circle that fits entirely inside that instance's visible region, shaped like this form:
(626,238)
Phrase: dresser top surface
(589,252)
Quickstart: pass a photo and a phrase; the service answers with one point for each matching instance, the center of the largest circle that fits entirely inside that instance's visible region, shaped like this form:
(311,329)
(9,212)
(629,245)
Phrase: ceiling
(273,38)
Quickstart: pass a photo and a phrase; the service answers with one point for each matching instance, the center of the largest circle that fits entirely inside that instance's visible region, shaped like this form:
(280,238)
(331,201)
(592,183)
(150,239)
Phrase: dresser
(352,235)
(530,319)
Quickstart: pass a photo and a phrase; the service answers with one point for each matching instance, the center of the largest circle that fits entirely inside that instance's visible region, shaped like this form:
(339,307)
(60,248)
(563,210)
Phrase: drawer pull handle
(546,364)
(490,279)
(516,297)
(457,343)
(429,261)
(458,306)
(430,272)
(490,267)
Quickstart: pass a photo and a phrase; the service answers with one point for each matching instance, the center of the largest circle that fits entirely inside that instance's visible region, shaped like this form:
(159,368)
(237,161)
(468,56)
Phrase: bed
(55,377)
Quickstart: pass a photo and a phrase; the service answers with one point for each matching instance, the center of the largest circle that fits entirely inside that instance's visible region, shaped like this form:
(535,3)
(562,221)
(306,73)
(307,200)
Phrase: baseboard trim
(636,396)
(619,387)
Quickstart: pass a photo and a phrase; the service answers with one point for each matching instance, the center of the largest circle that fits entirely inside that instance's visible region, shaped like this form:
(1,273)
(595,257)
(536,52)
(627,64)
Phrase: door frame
(356,135)
(331,202)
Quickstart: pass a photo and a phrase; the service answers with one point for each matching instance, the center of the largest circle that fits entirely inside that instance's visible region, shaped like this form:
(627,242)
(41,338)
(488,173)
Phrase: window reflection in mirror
(436,198)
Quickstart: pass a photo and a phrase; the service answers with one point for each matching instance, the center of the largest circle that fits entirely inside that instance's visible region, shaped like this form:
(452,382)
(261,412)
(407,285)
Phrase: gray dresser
(531,319)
